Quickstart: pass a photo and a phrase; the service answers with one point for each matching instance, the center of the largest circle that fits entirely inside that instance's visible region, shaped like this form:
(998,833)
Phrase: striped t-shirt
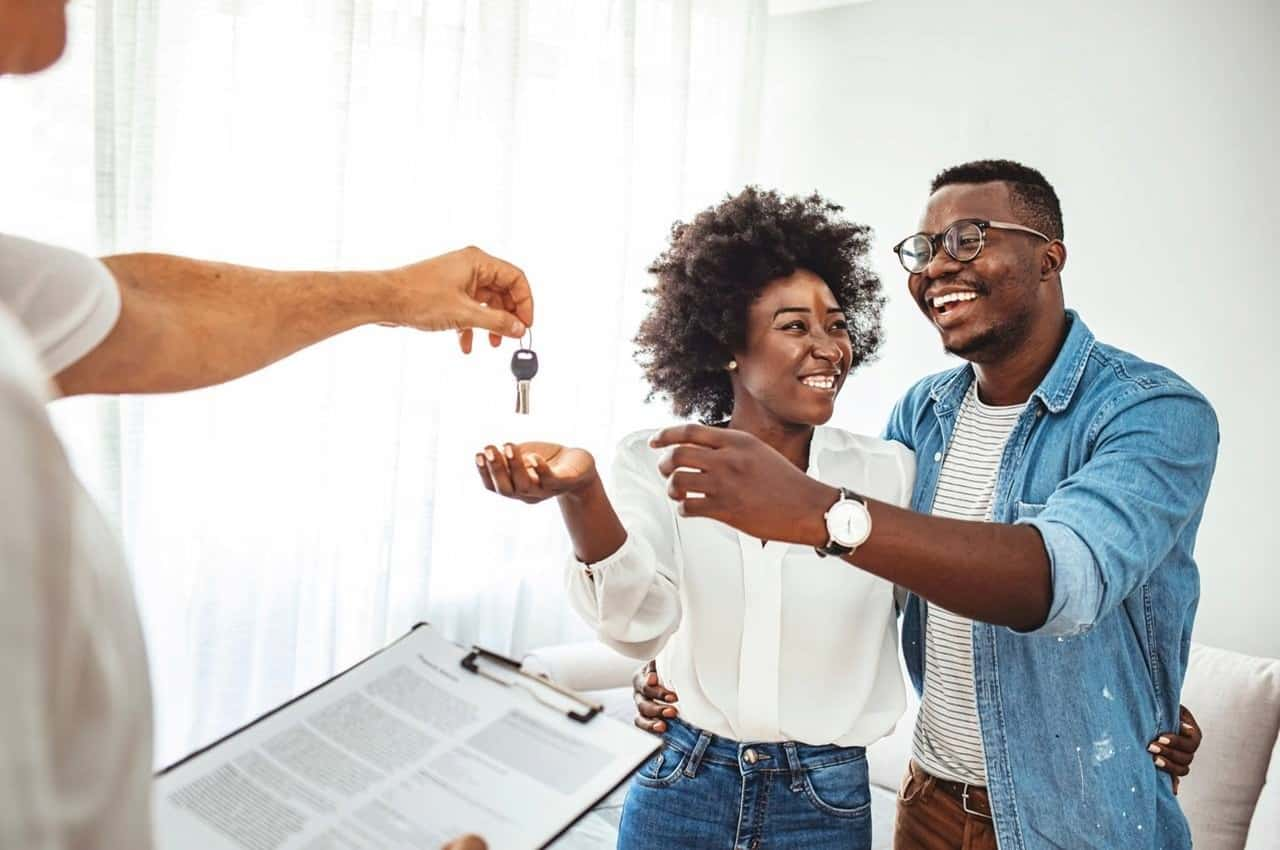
(947,740)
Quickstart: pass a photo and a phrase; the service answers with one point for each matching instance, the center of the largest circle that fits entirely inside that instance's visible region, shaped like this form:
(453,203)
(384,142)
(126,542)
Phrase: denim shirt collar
(1055,391)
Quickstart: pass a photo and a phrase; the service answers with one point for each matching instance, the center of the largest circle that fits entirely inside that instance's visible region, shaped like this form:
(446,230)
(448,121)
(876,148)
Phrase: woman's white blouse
(762,643)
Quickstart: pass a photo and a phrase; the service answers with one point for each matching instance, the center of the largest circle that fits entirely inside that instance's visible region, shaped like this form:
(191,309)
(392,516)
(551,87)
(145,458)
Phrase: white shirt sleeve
(632,597)
(66,302)
(75,741)
(34,531)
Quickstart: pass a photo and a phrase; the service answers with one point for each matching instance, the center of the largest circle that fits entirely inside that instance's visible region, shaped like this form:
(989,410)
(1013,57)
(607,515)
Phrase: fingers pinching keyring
(524,365)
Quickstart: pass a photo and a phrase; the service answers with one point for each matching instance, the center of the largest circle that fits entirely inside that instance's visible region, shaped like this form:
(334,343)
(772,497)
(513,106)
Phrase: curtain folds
(283,526)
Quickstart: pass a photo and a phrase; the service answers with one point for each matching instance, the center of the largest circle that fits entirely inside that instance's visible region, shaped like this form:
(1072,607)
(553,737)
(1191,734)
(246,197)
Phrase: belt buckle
(964,803)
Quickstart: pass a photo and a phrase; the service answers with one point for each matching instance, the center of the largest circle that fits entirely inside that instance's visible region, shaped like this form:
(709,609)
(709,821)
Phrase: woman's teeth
(820,382)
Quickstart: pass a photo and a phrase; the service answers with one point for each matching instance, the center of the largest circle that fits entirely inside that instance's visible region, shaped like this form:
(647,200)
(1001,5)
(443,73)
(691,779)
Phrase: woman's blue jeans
(703,791)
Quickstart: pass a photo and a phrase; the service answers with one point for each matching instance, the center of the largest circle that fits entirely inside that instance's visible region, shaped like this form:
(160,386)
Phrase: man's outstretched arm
(1101,533)
(989,572)
(188,323)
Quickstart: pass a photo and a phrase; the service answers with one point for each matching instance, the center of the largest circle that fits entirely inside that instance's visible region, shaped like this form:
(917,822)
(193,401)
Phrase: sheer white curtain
(284,525)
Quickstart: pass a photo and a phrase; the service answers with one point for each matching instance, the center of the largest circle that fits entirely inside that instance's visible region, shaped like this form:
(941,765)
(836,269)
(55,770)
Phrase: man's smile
(948,307)
(940,302)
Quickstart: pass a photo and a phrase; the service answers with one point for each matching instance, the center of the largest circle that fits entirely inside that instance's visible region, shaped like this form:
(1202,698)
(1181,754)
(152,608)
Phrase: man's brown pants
(934,814)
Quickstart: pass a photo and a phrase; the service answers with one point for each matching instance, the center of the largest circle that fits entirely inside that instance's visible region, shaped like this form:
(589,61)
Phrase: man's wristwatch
(848,525)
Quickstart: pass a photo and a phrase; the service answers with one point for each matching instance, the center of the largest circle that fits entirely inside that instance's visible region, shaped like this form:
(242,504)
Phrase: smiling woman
(763,306)
(718,265)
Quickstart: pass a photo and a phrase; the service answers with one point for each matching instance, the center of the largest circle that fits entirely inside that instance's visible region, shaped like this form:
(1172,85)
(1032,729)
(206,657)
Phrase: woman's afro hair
(715,268)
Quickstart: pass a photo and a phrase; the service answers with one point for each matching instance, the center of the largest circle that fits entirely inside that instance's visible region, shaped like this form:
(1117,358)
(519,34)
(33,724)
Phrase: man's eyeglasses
(962,241)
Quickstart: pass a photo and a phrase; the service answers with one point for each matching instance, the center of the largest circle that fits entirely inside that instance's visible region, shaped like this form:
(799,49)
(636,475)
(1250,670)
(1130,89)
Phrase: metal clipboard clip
(532,684)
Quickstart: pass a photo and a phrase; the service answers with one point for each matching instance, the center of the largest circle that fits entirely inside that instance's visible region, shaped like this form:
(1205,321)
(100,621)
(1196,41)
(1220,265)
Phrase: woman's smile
(825,382)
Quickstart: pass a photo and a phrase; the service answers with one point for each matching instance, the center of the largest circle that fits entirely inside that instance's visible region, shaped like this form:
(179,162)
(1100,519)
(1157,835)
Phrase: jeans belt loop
(695,758)
(793,763)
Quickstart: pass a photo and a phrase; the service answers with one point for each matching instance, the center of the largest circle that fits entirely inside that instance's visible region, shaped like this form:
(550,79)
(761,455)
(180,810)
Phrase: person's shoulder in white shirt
(890,466)
(67,302)
(887,469)
(76,736)
(634,450)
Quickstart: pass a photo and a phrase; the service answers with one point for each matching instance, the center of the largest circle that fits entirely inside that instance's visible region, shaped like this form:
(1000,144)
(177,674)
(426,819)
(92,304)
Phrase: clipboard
(520,768)
(478,656)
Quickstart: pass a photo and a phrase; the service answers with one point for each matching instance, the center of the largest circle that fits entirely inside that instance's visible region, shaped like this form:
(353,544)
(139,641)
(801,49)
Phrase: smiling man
(1060,484)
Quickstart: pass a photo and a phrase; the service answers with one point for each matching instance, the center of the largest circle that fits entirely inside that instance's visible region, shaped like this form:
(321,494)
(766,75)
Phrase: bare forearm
(593,524)
(992,572)
(987,571)
(191,323)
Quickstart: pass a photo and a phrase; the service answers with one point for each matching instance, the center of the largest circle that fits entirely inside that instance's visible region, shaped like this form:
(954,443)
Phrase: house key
(524,365)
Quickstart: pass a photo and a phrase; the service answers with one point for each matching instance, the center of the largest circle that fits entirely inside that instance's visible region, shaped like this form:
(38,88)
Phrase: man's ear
(1053,259)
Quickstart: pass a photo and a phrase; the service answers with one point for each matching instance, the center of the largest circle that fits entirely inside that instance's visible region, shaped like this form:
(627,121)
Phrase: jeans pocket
(841,789)
(911,787)
(664,769)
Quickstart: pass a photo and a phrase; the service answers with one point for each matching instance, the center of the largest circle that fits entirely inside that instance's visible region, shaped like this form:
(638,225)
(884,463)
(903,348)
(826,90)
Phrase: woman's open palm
(535,471)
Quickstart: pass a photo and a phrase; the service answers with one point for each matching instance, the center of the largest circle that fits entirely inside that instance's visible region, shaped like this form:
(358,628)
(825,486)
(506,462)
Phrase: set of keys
(524,365)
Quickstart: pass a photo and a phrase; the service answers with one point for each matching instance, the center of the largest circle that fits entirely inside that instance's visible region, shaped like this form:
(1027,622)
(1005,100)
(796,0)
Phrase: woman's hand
(533,472)
(653,701)
(1174,753)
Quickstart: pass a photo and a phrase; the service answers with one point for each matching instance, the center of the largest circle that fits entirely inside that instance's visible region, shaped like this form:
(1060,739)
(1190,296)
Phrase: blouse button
(937,457)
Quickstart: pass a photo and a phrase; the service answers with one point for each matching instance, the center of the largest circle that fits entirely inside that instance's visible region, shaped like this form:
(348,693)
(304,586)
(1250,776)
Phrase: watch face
(848,523)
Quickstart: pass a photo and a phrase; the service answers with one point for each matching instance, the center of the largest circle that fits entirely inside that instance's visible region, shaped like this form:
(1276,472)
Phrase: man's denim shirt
(1111,463)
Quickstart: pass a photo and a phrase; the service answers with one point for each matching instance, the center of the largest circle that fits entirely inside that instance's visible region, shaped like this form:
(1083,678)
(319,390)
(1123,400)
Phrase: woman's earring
(733,364)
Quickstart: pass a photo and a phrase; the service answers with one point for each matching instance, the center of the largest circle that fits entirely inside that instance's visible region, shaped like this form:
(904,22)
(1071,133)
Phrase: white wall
(1156,123)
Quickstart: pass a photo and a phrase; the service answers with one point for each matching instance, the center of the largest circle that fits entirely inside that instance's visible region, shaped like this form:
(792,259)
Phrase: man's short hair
(1033,197)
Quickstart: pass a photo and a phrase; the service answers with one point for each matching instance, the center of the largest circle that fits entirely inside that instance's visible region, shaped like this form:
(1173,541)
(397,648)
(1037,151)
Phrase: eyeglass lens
(962,240)
(916,253)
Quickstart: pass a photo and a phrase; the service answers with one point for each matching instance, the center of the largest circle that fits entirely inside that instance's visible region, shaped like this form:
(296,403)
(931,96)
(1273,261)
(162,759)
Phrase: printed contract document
(408,749)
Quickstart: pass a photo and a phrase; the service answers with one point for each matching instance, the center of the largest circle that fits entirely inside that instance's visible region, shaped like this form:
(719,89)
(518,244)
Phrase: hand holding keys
(524,365)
